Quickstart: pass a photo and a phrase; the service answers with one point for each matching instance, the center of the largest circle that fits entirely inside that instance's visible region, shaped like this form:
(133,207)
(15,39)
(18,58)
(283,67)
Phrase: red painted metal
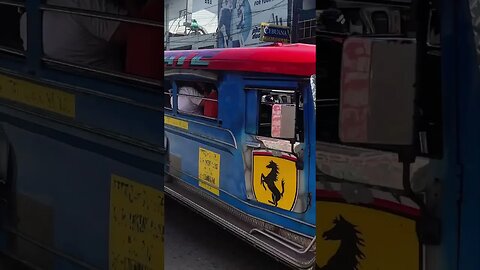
(294,59)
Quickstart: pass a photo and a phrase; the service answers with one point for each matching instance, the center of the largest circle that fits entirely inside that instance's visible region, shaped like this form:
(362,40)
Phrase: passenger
(80,39)
(190,100)
(210,107)
(144,55)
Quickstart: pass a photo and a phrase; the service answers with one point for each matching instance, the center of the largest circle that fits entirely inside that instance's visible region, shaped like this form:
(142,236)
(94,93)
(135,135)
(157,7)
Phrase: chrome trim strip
(240,200)
(243,235)
(273,237)
(12,51)
(49,249)
(12,3)
(234,145)
(118,75)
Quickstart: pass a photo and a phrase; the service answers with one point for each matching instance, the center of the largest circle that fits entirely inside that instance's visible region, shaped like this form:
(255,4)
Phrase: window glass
(196,98)
(10,27)
(105,44)
(268,98)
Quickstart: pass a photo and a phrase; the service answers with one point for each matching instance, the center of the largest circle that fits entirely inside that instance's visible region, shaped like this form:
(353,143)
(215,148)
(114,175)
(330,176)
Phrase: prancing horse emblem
(270,180)
(349,253)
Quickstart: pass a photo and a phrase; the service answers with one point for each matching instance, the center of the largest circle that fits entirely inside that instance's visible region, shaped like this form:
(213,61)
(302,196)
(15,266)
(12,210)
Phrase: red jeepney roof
(294,59)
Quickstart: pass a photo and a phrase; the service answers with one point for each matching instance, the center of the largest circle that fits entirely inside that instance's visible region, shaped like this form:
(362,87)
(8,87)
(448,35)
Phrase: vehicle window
(329,70)
(196,98)
(105,37)
(10,39)
(269,97)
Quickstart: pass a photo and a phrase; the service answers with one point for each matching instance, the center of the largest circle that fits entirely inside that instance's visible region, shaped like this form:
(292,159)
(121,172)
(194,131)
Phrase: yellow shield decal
(275,180)
(357,237)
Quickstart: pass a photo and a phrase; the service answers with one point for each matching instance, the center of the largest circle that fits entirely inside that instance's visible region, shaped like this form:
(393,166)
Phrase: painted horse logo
(270,180)
(349,254)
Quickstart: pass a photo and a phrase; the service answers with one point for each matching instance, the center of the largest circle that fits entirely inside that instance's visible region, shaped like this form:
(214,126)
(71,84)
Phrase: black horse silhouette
(349,254)
(270,180)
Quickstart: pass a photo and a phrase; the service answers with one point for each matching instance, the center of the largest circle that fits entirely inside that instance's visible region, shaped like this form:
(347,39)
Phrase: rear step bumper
(269,241)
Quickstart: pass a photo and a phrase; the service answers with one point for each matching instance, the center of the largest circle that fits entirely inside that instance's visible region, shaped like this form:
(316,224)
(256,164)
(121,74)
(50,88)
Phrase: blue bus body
(232,138)
(82,164)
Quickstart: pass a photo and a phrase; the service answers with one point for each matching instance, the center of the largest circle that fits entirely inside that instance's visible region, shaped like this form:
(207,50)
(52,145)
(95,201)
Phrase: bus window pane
(9,28)
(105,44)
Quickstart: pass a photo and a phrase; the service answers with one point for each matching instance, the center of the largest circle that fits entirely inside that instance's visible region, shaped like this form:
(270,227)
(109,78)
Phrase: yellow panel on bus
(175,122)
(136,225)
(275,180)
(209,170)
(37,96)
(356,237)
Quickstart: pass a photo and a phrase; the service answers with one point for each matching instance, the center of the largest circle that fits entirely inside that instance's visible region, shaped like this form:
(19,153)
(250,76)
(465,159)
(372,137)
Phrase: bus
(244,159)
(397,140)
(81,146)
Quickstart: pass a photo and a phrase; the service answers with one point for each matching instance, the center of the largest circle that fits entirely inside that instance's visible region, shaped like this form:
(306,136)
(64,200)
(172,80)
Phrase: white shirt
(189,104)
(79,39)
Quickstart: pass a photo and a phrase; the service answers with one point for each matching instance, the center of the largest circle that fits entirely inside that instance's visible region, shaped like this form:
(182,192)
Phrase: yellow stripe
(37,96)
(176,122)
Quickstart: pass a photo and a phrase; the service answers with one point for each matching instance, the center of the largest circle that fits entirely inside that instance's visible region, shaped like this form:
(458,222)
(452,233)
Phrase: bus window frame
(38,65)
(175,112)
(32,68)
(298,91)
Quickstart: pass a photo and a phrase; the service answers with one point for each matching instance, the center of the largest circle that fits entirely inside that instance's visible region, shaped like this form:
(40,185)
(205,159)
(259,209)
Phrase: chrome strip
(118,75)
(244,235)
(198,136)
(104,133)
(202,74)
(273,237)
(239,199)
(12,3)
(77,89)
(51,250)
(234,145)
(12,51)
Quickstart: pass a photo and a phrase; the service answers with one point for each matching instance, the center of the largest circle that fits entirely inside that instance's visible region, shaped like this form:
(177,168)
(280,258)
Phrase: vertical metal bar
(175,97)
(34,36)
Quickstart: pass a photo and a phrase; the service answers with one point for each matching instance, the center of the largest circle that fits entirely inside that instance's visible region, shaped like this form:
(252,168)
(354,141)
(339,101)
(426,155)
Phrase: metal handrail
(118,75)
(12,3)
(100,15)
(12,51)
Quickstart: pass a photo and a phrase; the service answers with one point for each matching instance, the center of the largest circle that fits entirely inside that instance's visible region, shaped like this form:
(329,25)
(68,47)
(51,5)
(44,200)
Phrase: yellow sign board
(37,96)
(274,180)
(209,170)
(175,122)
(136,225)
(355,237)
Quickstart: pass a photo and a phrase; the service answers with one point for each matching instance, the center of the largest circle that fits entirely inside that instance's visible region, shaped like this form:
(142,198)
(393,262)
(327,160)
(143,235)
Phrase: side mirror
(283,121)
(377,99)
